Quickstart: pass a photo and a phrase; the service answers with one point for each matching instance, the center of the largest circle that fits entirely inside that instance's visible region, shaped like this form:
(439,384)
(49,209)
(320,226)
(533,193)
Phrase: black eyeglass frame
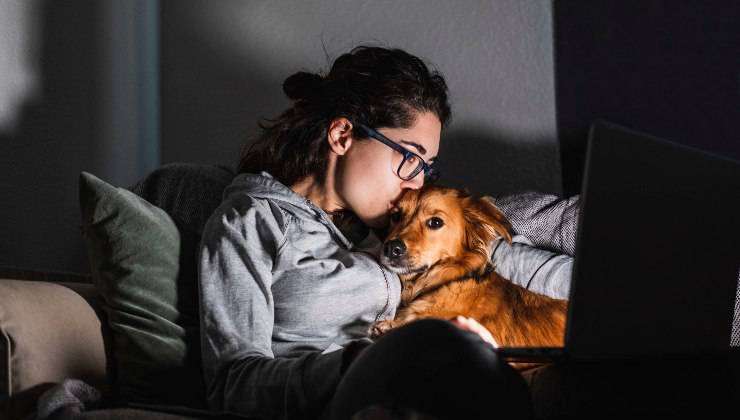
(430,174)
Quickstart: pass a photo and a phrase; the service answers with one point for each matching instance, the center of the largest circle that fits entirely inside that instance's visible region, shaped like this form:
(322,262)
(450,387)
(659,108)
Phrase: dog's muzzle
(394,249)
(396,258)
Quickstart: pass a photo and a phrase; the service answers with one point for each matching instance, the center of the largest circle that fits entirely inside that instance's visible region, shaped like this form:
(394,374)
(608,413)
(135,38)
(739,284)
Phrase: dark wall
(54,138)
(669,68)
(94,109)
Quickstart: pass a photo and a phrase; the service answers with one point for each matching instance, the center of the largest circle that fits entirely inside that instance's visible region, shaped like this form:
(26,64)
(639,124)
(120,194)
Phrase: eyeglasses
(411,164)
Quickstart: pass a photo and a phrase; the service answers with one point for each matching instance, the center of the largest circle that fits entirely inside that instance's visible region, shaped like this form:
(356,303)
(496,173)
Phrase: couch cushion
(188,193)
(47,333)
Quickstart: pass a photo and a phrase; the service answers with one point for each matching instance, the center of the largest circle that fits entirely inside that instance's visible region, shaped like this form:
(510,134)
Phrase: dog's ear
(484,223)
(497,219)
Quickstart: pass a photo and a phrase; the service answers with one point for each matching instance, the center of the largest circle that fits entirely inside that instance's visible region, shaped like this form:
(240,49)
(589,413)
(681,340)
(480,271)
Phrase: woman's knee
(437,335)
(434,366)
(434,347)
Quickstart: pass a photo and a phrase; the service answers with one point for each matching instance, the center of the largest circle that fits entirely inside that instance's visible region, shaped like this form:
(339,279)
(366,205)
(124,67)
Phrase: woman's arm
(540,257)
(538,270)
(238,251)
(548,221)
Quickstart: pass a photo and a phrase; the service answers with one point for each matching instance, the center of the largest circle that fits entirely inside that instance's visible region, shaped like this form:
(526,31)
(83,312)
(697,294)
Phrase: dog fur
(446,270)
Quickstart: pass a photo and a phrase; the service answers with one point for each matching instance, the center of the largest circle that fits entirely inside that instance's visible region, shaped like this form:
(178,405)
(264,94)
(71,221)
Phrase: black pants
(435,370)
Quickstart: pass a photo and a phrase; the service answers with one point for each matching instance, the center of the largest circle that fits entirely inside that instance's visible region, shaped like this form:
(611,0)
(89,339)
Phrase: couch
(78,328)
(53,331)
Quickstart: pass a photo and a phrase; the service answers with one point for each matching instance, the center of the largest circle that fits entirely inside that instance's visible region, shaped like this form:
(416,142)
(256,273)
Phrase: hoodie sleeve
(540,256)
(535,269)
(547,220)
(239,247)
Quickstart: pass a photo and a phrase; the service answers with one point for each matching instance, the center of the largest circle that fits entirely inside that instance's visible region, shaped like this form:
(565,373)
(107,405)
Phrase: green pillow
(134,249)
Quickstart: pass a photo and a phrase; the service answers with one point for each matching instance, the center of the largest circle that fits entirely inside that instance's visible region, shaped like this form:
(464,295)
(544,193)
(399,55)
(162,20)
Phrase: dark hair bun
(302,85)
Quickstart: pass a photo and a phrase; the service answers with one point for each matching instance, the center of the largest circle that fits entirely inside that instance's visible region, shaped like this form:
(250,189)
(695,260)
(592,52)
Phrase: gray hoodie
(281,288)
(283,291)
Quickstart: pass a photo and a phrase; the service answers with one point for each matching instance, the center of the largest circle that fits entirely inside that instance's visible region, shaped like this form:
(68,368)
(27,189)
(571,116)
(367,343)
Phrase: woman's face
(366,177)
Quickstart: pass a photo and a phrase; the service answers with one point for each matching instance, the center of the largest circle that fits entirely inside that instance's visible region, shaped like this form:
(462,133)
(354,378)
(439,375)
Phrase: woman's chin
(379,222)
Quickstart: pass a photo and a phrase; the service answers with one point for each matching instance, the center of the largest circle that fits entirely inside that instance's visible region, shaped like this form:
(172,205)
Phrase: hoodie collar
(264,185)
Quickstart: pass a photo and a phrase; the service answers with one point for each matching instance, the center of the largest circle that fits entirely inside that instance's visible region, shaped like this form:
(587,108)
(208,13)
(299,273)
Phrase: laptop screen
(658,248)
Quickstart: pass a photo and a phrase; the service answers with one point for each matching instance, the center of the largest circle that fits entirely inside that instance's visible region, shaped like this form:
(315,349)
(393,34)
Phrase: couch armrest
(48,332)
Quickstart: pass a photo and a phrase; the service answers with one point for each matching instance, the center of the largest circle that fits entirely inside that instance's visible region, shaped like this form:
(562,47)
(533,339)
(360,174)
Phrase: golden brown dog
(439,241)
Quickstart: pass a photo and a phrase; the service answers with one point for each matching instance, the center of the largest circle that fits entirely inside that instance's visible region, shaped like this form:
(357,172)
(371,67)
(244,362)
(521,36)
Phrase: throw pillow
(134,249)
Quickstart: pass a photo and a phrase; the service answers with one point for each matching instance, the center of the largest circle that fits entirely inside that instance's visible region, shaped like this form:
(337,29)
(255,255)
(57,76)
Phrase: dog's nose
(394,248)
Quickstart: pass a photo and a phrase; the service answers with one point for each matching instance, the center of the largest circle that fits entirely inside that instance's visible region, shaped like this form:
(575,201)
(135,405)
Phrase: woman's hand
(469,324)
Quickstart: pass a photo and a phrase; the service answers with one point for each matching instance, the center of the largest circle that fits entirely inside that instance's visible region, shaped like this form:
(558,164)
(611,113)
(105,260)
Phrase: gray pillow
(134,249)
(142,252)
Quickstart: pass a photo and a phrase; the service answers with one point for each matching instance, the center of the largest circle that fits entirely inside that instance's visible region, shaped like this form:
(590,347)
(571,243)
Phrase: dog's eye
(435,223)
(395,216)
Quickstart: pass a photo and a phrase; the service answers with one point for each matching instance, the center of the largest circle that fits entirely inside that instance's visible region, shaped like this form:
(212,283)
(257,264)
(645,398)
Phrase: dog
(439,242)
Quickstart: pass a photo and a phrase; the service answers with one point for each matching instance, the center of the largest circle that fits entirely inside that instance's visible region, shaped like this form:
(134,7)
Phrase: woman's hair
(375,86)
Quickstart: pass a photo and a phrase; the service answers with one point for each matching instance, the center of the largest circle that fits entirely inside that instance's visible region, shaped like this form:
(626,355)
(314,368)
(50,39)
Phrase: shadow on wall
(497,163)
(54,138)
(212,97)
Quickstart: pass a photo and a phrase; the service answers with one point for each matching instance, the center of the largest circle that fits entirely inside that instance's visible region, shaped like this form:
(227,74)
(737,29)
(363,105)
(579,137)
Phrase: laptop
(657,252)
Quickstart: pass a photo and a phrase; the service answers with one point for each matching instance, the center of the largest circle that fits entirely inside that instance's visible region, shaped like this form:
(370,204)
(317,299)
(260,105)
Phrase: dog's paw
(381,327)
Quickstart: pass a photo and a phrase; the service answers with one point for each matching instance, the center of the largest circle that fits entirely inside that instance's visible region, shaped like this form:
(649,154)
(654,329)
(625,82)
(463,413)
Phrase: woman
(286,296)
